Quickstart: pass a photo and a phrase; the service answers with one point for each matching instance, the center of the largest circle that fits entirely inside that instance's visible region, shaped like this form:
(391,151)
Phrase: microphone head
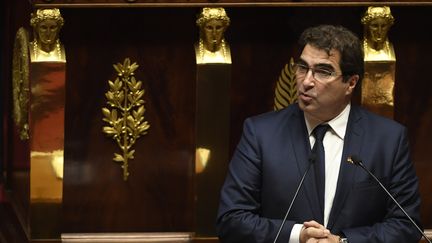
(354,159)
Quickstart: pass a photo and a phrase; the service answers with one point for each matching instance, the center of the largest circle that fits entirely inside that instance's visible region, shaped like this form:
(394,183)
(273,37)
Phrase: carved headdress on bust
(212,47)
(46,46)
(377,22)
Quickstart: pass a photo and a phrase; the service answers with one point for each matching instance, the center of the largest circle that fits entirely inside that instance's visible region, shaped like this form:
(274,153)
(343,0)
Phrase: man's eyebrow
(319,65)
(324,66)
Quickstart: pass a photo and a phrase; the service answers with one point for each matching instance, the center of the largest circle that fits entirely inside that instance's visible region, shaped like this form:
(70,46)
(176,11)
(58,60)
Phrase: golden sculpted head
(46,25)
(377,22)
(212,23)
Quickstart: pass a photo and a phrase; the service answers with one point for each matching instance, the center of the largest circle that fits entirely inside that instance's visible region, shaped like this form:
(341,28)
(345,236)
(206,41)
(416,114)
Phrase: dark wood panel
(260,49)
(413,93)
(158,195)
(10,228)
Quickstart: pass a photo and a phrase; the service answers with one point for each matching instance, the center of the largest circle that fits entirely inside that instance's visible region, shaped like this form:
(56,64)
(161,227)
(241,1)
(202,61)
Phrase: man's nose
(309,79)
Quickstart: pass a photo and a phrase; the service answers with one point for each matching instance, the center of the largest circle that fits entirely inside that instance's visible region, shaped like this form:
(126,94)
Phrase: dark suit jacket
(271,157)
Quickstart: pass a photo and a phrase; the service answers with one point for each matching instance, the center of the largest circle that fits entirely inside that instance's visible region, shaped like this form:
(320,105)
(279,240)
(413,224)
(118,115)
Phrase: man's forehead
(320,56)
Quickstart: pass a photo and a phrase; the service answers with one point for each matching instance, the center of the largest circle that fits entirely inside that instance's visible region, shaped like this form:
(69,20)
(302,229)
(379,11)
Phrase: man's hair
(328,38)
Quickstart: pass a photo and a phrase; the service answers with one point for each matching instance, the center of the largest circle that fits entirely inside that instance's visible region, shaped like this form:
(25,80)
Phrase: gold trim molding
(127,237)
(125,115)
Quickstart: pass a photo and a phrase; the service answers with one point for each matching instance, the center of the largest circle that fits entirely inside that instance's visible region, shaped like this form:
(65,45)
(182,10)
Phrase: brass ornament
(377,12)
(377,21)
(20,83)
(125,114)
(208,14)
(48,13)
(212,46)
(223,55)
(38,55)
(377,90)
(46,46)
(378,85)
(286,87)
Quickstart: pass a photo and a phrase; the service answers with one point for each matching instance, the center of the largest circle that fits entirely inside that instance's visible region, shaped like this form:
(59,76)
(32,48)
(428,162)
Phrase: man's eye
(323,73)
(302,68)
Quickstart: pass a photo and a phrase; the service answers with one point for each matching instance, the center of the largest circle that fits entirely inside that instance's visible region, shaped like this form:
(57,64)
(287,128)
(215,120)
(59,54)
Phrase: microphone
(312,158)
(357,161)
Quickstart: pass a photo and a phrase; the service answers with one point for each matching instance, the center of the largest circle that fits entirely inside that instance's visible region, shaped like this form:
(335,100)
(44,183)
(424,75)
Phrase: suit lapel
(301,146)
(352,146)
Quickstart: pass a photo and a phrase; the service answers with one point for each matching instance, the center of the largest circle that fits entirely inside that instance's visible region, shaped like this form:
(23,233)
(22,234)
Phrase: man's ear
(352,82)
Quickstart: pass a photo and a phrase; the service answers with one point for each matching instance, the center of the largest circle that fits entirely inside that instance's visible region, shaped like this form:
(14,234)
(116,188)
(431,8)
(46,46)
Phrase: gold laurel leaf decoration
(125,115)
(20,82)
(286,87)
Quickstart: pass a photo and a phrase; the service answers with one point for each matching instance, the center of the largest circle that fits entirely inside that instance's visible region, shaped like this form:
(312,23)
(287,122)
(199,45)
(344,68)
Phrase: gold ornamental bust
(377,22)
(212,47)
(46,46)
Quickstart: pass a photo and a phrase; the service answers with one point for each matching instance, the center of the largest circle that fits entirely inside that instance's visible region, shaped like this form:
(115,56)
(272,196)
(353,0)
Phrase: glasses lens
(301,69)
(322,75)
(318,74)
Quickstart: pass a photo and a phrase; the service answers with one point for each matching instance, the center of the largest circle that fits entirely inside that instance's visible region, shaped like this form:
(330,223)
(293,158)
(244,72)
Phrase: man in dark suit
(338,202)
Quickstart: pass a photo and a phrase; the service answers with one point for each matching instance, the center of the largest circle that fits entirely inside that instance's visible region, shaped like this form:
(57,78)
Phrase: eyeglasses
(319,74)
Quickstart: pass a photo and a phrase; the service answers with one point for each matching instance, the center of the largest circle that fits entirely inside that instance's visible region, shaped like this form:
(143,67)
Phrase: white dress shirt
(333,145)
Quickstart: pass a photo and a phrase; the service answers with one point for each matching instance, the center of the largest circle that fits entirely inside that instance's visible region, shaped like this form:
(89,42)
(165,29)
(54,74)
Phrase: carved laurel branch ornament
(20,82)
(125,115)
(286,87)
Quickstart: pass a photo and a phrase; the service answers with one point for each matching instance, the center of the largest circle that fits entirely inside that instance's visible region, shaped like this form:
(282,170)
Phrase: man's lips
(305,97)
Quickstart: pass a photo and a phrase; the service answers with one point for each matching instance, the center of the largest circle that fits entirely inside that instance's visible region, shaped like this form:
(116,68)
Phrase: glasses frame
(331,74)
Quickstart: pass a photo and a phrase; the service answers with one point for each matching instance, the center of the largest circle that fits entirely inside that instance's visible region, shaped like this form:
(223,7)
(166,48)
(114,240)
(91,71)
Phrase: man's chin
(307,107)
(303,105)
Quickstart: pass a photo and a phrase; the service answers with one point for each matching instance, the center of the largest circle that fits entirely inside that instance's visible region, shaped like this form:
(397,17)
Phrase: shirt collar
(338,124)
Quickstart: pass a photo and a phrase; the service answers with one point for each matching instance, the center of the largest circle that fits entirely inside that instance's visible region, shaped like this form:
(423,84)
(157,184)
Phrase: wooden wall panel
(413,93)
(158,195)
(262,40)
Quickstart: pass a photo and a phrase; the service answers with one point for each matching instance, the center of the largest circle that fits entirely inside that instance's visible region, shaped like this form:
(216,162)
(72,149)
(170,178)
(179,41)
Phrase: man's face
(318,99)
(213,34)
(47,31)
(378,29)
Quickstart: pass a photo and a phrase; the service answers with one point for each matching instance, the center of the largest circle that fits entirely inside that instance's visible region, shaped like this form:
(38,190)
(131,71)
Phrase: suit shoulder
(276,116)
(379,121)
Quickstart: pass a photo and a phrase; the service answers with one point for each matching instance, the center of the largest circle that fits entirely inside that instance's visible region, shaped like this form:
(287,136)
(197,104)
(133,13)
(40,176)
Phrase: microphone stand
(357,161)
(311,160)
